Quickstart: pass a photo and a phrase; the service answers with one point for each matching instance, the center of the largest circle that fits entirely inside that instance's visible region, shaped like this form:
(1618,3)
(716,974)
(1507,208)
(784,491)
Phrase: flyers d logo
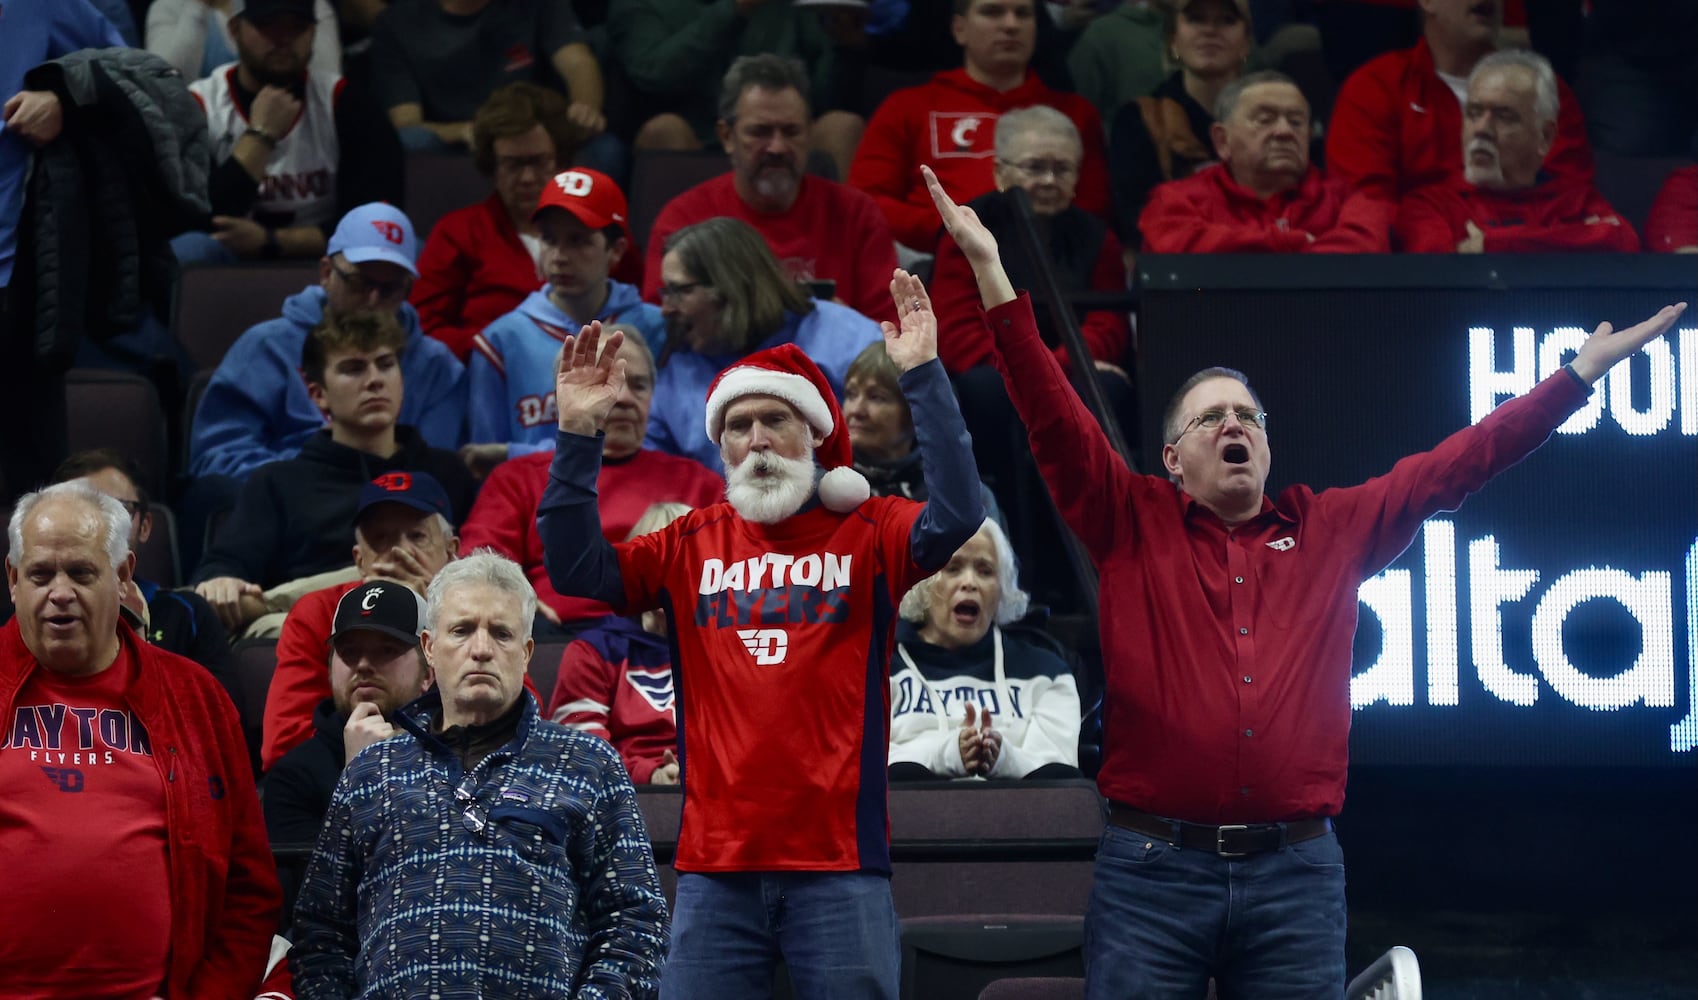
(574,183)
(388,230)
(766,645)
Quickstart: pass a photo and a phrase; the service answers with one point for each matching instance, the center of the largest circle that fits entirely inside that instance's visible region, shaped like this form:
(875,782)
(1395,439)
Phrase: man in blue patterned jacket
(482,851)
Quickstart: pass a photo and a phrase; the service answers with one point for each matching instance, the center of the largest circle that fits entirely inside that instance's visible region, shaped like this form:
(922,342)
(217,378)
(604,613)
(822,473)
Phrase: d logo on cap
(394,482)
(388,230)
(575,184)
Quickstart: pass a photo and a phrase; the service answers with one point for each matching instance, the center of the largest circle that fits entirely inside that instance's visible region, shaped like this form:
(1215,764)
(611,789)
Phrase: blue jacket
(529,875)
(832,335)
(512,368)
(256,409)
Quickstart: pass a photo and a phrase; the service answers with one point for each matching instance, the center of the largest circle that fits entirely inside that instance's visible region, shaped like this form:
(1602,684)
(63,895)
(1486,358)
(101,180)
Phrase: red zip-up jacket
(1209,212)
(949,124)
(1552,216)
(1396,126)
(225,899)
(1674,215)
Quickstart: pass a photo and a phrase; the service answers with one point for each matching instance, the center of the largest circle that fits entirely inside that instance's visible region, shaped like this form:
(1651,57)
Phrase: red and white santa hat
(786,372)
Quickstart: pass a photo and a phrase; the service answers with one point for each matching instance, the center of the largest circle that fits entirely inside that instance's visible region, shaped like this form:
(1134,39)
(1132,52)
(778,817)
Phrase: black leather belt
(1233,840)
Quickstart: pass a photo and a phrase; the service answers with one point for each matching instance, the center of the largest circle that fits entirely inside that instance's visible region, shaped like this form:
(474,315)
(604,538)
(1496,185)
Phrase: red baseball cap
(590,195)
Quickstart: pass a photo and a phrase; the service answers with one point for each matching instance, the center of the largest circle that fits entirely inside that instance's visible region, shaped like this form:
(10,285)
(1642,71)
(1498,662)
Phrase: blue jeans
(836,932)
(196,247)
(1162,920)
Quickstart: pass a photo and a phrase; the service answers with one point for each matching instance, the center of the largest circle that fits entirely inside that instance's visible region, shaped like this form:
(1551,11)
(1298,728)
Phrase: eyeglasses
(679,290)
(359,284)
(541,162)
(1059,169)
(132,507)
(1210,419)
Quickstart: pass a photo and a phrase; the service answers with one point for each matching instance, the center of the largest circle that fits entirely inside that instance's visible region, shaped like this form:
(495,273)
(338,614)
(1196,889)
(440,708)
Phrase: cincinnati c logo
(368,602)
(962,134)
(766,645)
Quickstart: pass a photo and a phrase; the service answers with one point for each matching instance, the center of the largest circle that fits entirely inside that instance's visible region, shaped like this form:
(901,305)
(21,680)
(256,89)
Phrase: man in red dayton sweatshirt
(1264,196)
(950,123)
(1505,202)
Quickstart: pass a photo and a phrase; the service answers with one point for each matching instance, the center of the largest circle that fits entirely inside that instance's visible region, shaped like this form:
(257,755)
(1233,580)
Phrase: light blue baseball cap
(376,231)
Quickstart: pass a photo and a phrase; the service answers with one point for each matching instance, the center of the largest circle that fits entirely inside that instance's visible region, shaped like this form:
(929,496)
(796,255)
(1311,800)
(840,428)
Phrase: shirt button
(1246,678)
(1237,579)
(1243,631)
(1249,732)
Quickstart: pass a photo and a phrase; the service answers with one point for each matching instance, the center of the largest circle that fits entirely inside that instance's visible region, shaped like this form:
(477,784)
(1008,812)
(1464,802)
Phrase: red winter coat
(1209,212)
(1674,215)
(1553,216)
(949,124)
(225,899)
(1396,126)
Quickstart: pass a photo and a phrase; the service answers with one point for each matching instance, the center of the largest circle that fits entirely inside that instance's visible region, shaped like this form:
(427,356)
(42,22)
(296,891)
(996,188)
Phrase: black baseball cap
(384,606)
(418,490)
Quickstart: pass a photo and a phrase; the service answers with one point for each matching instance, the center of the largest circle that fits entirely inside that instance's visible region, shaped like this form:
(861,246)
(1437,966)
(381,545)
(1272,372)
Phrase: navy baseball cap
(260,11)
(394,609)
(418,490)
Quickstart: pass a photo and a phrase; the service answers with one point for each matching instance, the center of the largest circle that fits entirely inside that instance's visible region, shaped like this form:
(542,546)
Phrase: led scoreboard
(1550,619)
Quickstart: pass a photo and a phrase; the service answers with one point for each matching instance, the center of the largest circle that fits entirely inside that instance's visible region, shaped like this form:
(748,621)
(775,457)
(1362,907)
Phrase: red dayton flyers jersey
(782,635)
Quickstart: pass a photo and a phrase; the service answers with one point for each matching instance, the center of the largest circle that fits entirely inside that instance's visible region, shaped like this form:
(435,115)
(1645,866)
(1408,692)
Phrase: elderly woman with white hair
(969,699)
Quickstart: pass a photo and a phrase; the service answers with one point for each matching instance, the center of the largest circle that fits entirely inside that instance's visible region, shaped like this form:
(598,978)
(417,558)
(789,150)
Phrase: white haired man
(484,851)
(782,601)
(1505,201)
(138,864)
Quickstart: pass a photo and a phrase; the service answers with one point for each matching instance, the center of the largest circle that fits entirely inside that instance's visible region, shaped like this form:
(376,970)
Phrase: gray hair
(1170,429)
(634,337)
(766,71)
(1227,102)
(1546,103)
(443,527)
(658,516)
(1011,600)
(115,518)
(487,567)
(1037,118)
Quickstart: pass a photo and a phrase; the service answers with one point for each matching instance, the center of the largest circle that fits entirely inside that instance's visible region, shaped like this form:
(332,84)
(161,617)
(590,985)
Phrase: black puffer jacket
(128,172)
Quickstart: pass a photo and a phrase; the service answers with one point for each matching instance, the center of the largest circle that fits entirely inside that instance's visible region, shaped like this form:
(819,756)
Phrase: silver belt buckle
(1220,840)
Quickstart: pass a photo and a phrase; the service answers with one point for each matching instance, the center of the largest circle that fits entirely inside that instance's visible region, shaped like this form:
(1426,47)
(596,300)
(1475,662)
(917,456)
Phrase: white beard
(1488,176)
(774,497)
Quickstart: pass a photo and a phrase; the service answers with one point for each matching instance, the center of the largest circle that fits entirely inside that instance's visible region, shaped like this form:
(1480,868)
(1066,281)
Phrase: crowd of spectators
(398,415)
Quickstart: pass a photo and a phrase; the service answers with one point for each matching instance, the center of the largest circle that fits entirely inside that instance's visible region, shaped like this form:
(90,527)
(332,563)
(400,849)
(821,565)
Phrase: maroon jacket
(225,898)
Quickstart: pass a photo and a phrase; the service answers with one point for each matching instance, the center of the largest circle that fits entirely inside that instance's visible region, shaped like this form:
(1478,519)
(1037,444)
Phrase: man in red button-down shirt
(1227,619)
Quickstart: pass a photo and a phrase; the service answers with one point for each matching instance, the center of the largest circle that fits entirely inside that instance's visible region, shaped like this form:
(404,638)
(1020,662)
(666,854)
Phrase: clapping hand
(980,744)
(588,378)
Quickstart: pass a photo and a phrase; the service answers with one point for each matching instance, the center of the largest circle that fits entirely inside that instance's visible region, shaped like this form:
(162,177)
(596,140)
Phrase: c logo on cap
(575,184)
(394,482)
(388,230)
(371,595)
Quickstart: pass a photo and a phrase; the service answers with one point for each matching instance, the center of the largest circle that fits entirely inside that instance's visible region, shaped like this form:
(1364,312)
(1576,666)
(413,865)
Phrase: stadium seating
(156,558)
(216,303)
(1034,989)
(438,183)
(122,411)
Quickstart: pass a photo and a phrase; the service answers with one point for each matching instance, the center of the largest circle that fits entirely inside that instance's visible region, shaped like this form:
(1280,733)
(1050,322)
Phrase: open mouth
(61,621)
(965,612)
(1235,454)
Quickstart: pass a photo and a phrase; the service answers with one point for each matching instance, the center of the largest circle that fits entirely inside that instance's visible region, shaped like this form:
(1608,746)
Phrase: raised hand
(915,342)
(1606,345)
(588,378)
(976,243)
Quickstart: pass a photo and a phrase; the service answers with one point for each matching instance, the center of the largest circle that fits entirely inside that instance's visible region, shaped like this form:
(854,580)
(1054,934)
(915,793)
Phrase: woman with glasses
(1165,136)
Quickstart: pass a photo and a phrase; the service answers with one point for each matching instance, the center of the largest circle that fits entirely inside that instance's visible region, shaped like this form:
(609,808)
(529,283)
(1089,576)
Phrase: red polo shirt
(1227,650)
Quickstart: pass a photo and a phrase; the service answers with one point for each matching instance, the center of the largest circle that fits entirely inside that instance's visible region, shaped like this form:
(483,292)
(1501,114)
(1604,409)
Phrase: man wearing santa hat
(782,602)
